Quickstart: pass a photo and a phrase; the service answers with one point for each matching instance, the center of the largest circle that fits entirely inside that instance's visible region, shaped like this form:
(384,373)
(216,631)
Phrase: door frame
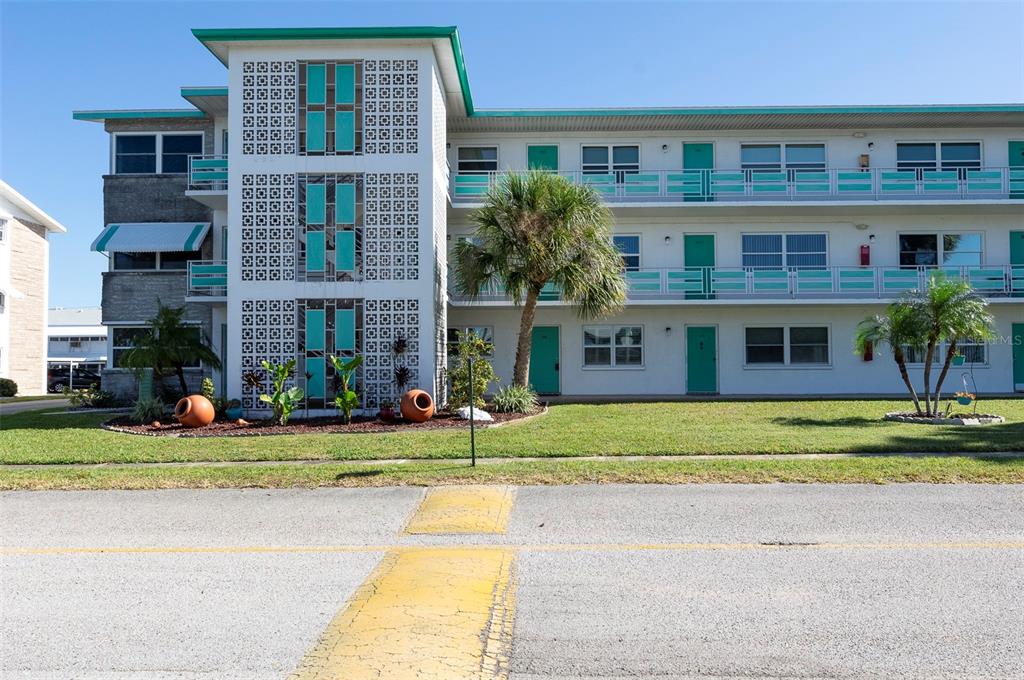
(686,359)
(558,355)
(707,295)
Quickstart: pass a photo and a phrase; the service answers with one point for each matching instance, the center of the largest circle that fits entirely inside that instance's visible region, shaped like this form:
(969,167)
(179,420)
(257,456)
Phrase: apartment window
(477,160)
(930,250)
(135,261)
(3,302)
(920,156)
(330,117)
(134,154)
(629,248)
(172,261)
(124,338)
(974,352)
(178,261)
(775,157)
(621,160)
(787,346)
(791,251)
(485,333)
(613,346)
(175,150)
(3,230)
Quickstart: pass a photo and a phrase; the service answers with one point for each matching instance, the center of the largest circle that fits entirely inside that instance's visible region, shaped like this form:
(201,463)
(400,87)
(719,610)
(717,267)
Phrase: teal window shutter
(315,251)
(316,84)
(316,383)
(345,251)
(345,79)
(316,203)
(345,197)
(344,131)
(344,330)
(314,329)
(316,134)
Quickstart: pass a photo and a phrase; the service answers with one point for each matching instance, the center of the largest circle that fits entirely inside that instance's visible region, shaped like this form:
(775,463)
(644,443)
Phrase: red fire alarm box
(865,255)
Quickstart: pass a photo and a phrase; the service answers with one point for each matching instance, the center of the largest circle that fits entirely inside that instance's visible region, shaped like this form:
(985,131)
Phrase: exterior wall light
(668,239)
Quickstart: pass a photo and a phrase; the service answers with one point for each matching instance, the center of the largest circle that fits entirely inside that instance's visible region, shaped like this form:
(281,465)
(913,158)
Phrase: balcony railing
(208,173)
(834,184)
(826,283)
(208,278)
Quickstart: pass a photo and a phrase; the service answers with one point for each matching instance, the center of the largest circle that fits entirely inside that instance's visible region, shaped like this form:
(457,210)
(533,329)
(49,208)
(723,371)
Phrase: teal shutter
(314,330)
(344,131)
(315,251)
(315,132)
(344,330)
(316,84)
(345,84)
(316,383)
(345,198)
(345,251)
(316,203)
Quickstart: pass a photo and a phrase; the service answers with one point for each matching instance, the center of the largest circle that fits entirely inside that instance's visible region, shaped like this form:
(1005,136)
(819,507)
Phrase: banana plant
(346,400)
(283,400)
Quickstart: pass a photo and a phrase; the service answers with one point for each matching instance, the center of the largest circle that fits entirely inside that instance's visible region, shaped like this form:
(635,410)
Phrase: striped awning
(152,237)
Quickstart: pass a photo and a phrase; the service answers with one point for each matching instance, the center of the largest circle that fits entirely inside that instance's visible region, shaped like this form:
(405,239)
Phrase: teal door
(700,156)
(701,360)
(699,255)
(542,157)
(1016,169)
(544,360)
(1018,356)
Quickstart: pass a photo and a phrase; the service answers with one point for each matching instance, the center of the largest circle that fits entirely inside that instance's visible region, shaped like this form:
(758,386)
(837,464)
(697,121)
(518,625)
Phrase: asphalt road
(830,581)
(9,407)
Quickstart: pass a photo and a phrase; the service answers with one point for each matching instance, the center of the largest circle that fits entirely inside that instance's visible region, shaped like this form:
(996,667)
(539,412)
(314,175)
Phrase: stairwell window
(613,346)
(477,160)
(790,251)
(787,346)
(621,160)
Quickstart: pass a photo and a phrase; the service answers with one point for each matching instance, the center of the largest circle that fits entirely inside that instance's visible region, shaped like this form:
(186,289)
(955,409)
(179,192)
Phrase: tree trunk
(902,364)
(521,372)
(181,380)
(942,375)
(928,356)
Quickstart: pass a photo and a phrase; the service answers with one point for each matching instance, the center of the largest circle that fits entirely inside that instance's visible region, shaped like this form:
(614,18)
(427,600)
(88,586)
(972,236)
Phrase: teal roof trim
(205,91)
(136,113)
(749,110)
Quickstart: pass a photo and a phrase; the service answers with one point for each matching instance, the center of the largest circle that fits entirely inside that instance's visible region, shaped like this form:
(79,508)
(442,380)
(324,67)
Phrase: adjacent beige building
(24,289)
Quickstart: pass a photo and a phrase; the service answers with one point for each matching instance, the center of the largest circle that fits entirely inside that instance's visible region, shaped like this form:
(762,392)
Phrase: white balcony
(208,180)
(207,281)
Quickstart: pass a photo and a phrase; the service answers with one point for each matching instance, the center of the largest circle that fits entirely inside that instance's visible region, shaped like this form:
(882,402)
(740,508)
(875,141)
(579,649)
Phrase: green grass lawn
(678,428)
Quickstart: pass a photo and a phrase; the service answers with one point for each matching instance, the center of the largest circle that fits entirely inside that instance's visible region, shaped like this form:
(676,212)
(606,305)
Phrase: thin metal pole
(472,416)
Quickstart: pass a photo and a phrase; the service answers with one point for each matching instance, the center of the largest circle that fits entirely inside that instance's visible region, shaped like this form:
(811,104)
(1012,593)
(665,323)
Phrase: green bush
(470,347)
(90,397)
(148,409)
(207,390)
(515,399)
(8,388)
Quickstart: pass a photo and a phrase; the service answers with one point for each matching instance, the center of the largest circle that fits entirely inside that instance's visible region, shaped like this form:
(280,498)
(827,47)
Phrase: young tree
(898,328)
(538,228)
(171,345)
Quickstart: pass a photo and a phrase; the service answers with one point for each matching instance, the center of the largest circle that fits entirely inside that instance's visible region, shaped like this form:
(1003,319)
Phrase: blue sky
(60,56)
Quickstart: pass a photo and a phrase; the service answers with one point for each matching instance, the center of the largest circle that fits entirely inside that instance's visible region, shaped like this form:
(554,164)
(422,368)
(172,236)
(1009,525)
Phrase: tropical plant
(171,345)
(252,379)
(471,347)
(346,400)
(207,389)
(515,399)
(900,329)
(89,397)
(282,399)
(8,388)
(536,229)
(148,409)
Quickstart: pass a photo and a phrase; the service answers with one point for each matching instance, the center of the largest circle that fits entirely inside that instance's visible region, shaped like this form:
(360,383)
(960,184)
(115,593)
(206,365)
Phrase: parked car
(59,377)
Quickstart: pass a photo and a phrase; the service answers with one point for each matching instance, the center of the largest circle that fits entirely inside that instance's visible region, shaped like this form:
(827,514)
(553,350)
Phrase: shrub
(148,409)
(470,347)
(207,390)
(8,388)
(90,397)
(515,399)
(282,399)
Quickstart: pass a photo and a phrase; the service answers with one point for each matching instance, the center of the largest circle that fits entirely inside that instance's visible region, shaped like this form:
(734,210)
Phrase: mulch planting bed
(325,425)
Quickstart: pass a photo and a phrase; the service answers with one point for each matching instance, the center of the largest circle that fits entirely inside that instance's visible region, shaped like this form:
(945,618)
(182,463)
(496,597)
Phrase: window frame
(159,145)
(939,164)
(613,365)
(113,349)
(940,355)
(458,161)
(787,363)
(610,165)
(158,262)
(638,255)
(3,229)
(785,266)
(940,253)
(449,343)
(783,166)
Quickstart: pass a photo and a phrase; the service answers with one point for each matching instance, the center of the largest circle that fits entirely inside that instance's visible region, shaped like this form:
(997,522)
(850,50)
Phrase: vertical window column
(330,110)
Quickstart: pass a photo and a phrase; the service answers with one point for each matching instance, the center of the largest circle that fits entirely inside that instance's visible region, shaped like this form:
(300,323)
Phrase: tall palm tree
(899,328)
(949,311)
(171,344)
(538,228)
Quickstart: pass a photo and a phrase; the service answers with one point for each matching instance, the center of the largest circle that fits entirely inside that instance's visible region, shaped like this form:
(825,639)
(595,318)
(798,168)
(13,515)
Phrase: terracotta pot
(417,406)
(194,411)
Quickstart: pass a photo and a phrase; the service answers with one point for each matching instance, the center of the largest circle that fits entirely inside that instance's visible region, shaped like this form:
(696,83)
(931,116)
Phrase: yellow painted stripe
(463,510)
(424,613)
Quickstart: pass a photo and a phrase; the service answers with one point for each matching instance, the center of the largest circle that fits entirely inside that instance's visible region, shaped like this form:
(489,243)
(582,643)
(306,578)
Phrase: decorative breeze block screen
(269,105)
(268,333)
(392,227)
(268,227)
(391,106)
(383,322)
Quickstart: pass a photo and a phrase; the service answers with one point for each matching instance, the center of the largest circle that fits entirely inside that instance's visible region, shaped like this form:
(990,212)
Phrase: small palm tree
(171,345)
(899,328)
(535,229)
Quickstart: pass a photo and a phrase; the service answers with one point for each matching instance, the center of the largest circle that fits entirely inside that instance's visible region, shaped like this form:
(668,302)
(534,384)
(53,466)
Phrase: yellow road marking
(463,510)
(423,613)
(519,547)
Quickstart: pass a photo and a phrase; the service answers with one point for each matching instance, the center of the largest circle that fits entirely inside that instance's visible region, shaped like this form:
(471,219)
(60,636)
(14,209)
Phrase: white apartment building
(307,208)
(76,336)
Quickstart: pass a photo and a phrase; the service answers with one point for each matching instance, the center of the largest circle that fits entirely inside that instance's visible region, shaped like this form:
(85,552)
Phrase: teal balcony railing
(208,278)
(826,283)
(724,186)
(208,173)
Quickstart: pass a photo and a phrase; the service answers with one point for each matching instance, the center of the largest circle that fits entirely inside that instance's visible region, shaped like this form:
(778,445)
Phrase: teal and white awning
(152,237)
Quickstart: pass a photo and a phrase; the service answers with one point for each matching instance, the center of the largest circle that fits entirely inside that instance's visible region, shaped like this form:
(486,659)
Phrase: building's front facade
(24,289)
(325,185)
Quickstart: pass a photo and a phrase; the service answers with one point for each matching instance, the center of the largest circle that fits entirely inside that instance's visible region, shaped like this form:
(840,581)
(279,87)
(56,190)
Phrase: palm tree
(949,311)
(899,328)
(171,344)
(538,228)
